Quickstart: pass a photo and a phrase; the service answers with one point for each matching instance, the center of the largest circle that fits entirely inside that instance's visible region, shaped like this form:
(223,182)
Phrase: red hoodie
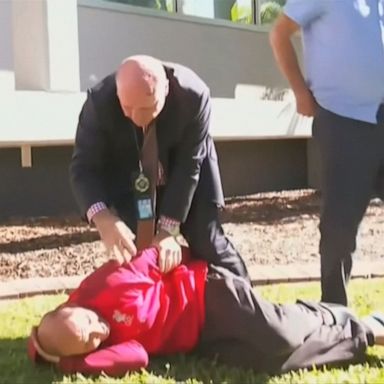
(148,312)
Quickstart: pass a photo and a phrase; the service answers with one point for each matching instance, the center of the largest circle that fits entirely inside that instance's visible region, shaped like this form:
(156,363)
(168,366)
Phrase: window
(165,5)
(238,11)
(242,11)
(202,8)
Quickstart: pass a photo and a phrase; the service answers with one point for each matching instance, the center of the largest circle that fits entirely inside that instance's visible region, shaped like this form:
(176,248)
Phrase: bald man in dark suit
(114,121)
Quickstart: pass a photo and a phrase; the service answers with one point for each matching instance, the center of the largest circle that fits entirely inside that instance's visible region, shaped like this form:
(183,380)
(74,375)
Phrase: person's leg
(267,336)
(333,345)
(235,310)
(349,165)
(205,236)
(379,185)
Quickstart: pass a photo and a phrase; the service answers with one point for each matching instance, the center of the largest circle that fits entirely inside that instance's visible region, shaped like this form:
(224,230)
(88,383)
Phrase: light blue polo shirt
(343,43)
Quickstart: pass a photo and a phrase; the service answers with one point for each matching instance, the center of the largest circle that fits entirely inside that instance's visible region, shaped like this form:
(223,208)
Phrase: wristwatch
(169,225)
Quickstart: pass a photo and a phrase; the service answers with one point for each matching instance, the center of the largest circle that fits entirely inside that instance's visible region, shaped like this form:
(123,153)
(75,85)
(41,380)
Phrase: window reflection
(202,8)
(238,11)
(242,12)
(165,5)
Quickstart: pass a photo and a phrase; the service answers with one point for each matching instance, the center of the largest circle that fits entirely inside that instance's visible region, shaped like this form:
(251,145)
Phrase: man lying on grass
(122,314)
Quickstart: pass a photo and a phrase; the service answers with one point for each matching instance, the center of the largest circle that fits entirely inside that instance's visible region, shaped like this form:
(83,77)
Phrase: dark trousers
(245,330)
(203,232)
(205,236)
(352,170)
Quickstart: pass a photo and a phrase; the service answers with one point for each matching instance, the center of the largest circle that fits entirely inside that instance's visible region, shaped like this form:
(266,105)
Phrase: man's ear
(36,352)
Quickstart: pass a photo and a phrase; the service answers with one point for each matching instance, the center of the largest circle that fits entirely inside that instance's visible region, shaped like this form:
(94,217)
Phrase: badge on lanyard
(143,197)
(141,183)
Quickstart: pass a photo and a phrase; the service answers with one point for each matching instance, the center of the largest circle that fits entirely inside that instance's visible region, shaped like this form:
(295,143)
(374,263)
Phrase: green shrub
(280,2)
(269,12)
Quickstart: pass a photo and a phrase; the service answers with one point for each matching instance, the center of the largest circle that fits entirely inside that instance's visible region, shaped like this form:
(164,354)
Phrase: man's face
(82,331)
(141,106)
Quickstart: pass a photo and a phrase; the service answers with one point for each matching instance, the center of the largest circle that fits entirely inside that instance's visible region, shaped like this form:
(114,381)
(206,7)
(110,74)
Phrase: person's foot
(375,322)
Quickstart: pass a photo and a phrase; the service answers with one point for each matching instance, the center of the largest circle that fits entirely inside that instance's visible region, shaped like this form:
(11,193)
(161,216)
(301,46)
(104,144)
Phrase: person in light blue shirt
(342,87)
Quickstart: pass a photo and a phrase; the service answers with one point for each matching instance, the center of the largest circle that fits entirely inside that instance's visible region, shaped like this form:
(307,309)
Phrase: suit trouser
(205,236)
(245,330)
(352,169)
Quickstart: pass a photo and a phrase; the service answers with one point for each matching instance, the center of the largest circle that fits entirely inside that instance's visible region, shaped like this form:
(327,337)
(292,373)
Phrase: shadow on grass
(375,361)
(16,368)
(57,221)
(273,209)
(49,242)
(270,210)
(186,367)
(263,210)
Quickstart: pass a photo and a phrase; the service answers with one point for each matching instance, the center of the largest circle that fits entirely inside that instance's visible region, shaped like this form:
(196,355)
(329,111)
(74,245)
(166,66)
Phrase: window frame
(177,15)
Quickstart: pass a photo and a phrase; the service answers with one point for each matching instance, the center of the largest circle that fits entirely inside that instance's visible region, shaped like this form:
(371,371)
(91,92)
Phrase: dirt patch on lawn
(267,228)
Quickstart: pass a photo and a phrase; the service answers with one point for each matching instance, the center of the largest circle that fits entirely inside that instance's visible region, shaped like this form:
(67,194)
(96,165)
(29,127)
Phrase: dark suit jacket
(105,153)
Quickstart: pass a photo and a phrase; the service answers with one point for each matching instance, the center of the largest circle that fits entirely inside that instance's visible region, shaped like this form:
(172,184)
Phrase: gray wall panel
(6,56)
(224,55)
(247,167)
(37,191)
(6,51)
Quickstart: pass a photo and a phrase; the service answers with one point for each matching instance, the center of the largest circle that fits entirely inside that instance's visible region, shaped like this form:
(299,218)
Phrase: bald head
(142,88)
(70,331)
(52,333)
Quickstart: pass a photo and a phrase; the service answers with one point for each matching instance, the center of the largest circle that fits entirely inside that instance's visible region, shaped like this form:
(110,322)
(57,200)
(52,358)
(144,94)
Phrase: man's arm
(86,168)
(115,360)
(182,183)
(286,58)
(87,180)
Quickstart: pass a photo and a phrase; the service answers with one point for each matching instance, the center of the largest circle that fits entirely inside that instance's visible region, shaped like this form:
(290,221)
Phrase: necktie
(150,162)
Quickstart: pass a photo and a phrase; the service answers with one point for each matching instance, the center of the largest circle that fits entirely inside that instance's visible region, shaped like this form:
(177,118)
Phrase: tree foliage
(269,11)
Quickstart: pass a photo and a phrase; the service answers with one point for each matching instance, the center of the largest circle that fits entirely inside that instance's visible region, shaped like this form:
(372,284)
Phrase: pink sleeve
(115,360)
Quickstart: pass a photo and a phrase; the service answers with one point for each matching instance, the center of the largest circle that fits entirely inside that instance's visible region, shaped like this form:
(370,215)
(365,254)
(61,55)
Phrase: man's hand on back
(118,239)
(169,251)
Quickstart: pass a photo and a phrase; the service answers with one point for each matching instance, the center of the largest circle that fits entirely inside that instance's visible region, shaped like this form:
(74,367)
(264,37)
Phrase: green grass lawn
(17,317)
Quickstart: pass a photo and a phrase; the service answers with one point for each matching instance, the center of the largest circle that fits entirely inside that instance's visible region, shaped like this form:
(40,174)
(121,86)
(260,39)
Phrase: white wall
(224,54)
(45,44)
